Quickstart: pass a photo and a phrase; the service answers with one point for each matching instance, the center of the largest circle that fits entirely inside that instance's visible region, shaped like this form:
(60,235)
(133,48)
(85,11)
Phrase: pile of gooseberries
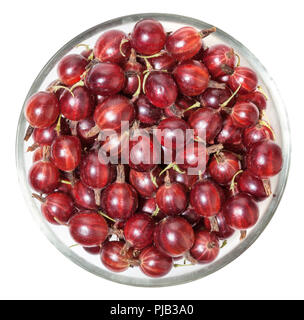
(149,214)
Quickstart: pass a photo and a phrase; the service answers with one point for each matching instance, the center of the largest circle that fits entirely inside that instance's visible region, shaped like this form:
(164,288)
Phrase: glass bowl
(276,113)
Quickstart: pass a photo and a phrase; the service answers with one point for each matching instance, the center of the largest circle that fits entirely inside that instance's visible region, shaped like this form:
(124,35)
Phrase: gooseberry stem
(233,183)
(83,45)
(183,265)
(120,174)
(74,245)
(267,186)
(38,197)
(260,89)
(239,59)
(206,32)
(194,106)
(224,244)
(243,235)
(66,182)
(58,125)
(137,92)
(152,56)
(156,211)
(123,41)
(267,125)
(214,224)
(223,105)
(106,216)
(97,196)
(28,133)
(174,166)
(153,179)
(55,88)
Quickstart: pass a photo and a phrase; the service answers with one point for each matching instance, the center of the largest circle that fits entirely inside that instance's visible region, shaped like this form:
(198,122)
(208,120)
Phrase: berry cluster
(150,213)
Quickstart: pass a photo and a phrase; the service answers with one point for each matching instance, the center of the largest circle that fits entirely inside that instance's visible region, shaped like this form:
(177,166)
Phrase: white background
(31,32)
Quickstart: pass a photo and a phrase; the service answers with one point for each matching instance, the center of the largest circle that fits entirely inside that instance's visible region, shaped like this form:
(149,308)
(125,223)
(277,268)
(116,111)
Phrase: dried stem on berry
(28,133)
(205,33)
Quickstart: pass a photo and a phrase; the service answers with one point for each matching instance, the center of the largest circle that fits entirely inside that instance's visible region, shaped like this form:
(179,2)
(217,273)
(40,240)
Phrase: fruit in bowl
(165,93)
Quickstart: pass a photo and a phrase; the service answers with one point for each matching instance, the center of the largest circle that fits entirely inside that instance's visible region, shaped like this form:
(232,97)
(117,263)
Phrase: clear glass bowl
(276,113)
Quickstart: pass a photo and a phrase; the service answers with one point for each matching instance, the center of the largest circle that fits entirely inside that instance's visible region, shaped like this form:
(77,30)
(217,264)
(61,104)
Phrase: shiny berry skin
(144,153)
(163,62)
(107,47)
(225,231)
(173,130)
(142,182)
(174,111)
(214,97)
(206,121)
(132,84)
(71,68)
(57,206)
(174,236)
(184,43)
(86,53)
(148,37)
(146,113)
(205,198)
(133,71)
(230,134)
(256,187)
(216,57)
(236,148)
(147,205)
(192,77)
(77,106)
(44,176)
(66,152)
(94,172)
(171,198)
(245,114)
(65,188)
(193,156)
(83,196)
(256,134)
(160,89)
(119,200)
(187,180)
(264,159)
(82,128)
(153,263)
(241,212)
(114,110)
(245,77)
(112,258)
(138,231)
(256,97)
(182,104)
(100,99)
(191,216)
(44,137)
(113,143)
(223,79)
(105,79)
(206,247)
(38,155)
(89,229)
(42,110)
(223,167)
(168,154)
(93,250)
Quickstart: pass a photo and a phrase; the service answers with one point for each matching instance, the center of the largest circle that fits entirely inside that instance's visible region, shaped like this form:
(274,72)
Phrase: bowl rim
(218,264)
